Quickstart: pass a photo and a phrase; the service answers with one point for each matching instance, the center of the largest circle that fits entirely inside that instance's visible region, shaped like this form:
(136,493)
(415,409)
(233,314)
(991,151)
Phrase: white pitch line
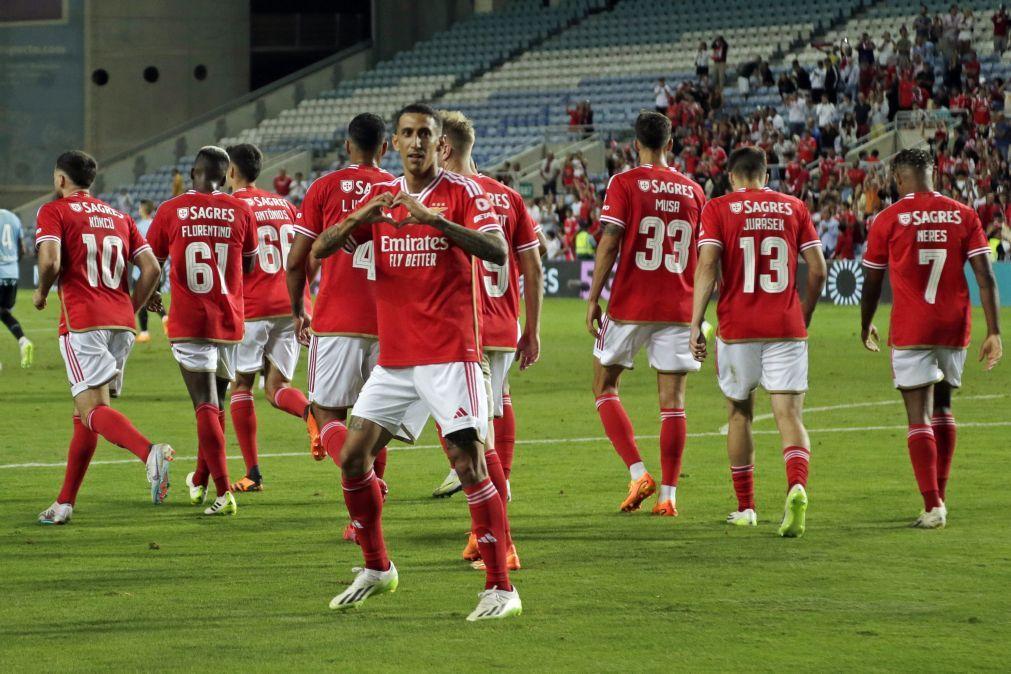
(543,441)
(849,406)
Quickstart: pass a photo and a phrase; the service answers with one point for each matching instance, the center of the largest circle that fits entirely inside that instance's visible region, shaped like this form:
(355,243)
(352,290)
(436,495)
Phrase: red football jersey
(206,236)
(760,233)
(426,287)
(96,242)
(925,240)
(346,300)
(658,209)
(500,285)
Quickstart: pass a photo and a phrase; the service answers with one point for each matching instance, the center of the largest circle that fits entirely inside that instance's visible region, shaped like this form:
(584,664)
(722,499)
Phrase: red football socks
(211,439)
(497,476)
(332,436)
(379,463)
(797,460)
(618,428)
(487,518)
(364,500)
(744,486)
(945,435)
(673,435)
(291,400)
(244,420)
(82,448)
(505,435)
(117,429)
(923,454)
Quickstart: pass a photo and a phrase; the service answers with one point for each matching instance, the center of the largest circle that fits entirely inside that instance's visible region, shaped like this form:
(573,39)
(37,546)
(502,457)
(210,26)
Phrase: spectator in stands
(886,50)
(720,49)
(766,77)
(299,186)
(796,113)
(828,229)
(178,185)
(1000,22)
(124,201)
(702,61)
(549,174)
(831,80)
(786,85)
(865,50)
(951,26)
(282,183)
(745,71)
(801,78)
(663,95)
(555,250)
(827,116)
(904,46)
(966,31)
(921,24)
(818,81)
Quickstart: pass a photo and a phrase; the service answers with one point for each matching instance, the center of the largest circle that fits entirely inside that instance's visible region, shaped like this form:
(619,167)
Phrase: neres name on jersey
(932,236)
(220,231)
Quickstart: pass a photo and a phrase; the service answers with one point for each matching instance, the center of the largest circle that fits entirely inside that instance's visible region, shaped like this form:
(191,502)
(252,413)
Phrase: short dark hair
(417,109)
(747,162)
(920,161)
(247,158)
(212,161)
(652,129)
(367,131)
(79,166)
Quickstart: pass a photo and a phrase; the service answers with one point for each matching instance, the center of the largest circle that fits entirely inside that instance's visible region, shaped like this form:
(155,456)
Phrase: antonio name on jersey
(930,218)
(205,213)
(269,209)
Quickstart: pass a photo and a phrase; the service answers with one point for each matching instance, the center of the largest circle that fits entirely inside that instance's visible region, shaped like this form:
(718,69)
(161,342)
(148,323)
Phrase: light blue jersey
(10,244)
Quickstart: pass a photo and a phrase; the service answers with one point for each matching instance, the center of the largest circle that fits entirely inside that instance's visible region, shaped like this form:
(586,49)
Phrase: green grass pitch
(133,586)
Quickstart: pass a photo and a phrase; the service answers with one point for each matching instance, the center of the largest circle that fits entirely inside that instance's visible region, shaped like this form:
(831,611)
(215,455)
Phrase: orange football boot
(350,534)
(315,444)
(665,509)
(471,553)
(512,561)
(245,484)
(638,491)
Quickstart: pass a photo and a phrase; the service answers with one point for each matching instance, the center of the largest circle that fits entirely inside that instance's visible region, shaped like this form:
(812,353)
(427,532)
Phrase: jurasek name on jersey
(206,213)
(930,218)
(657,186)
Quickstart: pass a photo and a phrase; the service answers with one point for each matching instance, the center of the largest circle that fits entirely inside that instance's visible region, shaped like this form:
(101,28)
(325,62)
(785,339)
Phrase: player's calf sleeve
(364,500)
(923,455)
(12,324)
(82,448)
(212,445)
(618,428)
(332,436)
(505,435)
(946,436)
(797,460)
(488,524)
(379,463)
(673,435)
(497,476)
(744,486)
(291,400)
(117,429)
(243,412)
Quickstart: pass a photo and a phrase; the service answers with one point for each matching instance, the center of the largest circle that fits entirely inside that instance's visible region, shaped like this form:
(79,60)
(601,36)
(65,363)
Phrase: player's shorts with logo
(913,368)
(207,357)
(273,338)
(667,347)
(453,393)
(499,363)
(779,367)
(95,357)
(339,365)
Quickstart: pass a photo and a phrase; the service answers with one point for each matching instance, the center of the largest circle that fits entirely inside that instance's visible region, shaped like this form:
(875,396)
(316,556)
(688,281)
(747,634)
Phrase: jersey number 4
(656,232)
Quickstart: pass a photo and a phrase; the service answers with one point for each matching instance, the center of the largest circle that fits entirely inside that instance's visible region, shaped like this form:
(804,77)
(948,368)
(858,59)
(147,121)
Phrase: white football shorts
(914,368)
(206,357)
(779,367)
(273,338)
(499,363)
(667,346)
(95,358)
(338,368)
(453,393)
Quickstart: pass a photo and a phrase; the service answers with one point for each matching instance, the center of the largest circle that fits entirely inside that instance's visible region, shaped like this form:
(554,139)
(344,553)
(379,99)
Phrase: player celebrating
(269,331)
(425,227)
(649,216)
(753,236)
(501,336)
(344,345)
(87,244)
(11,247)
(925,239)
(211,239)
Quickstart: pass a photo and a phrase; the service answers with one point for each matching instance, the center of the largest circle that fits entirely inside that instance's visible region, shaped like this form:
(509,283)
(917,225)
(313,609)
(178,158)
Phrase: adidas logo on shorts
(460,413)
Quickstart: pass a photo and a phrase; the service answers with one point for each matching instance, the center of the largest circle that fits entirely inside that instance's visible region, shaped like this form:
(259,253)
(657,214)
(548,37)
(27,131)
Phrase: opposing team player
(925,239)
(210,237)
(501,334)
(752,237)
(87,245)
(344,344)
(426,228)
(269,332)
(11,247)
(650,214)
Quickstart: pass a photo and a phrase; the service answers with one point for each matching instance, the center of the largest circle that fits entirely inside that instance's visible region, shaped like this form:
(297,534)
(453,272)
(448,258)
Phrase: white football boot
(197,492)
(58,513)
(935,518)
(223,505)
(743,518)
(494,604)
(367,583)
(158,471)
